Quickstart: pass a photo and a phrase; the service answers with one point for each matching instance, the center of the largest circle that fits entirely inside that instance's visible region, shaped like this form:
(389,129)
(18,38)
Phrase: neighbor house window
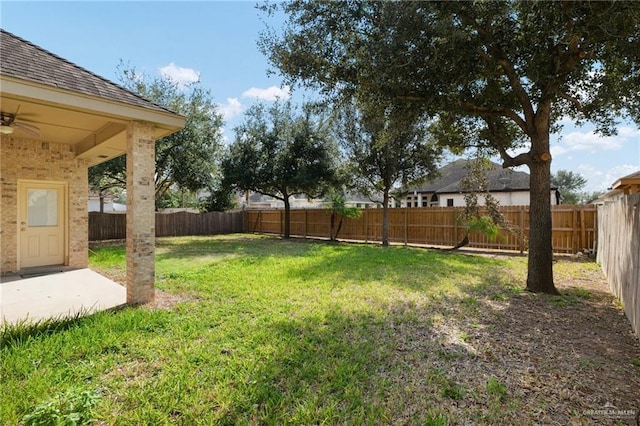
(449,202)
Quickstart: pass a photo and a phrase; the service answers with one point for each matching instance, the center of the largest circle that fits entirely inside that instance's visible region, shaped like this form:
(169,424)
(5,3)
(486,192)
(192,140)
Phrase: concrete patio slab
(58,294)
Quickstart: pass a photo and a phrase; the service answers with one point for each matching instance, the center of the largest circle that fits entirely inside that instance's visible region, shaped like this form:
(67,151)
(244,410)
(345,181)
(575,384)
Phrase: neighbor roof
(629,184)
(24,60)
(450,176)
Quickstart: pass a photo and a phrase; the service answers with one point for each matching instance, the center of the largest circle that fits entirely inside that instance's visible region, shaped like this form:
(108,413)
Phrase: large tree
(187,160)
(499,74)
(386,146)
(281,152)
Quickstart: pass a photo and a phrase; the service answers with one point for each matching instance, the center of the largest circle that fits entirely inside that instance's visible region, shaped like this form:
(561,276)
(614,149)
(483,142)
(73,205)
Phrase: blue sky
(215,41)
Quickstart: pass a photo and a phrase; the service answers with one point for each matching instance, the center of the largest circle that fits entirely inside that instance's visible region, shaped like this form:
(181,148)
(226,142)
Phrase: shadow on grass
(415,269)
(234,244)
(17,334)
(556,356)
(337,368)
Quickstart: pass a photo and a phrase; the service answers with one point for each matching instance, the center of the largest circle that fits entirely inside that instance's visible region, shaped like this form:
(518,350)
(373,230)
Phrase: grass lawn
(258,330)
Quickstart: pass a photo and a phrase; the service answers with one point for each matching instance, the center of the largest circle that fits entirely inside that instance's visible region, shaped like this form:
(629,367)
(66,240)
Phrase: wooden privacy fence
(111,226)
(619,252)
(574,226)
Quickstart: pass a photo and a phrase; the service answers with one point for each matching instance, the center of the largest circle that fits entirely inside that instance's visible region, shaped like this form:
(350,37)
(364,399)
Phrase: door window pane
(42,207)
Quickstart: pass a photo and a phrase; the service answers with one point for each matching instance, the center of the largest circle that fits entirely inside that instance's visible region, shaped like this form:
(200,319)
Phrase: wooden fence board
(574,226)
(112,226)
(619,252)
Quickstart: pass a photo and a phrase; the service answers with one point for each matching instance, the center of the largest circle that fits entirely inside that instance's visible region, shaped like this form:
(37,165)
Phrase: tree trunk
(540,262)
(287,217)
(385,218)
(334,235)
(101,197)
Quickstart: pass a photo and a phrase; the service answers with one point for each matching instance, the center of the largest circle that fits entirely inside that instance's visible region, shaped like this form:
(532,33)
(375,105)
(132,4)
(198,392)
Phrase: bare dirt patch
(522,358)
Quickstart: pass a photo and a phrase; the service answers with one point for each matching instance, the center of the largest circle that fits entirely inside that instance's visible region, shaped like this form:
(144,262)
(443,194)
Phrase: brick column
(140,213)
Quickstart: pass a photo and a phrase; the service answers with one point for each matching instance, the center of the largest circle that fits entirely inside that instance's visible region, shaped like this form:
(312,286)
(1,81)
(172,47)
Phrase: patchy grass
(266,331)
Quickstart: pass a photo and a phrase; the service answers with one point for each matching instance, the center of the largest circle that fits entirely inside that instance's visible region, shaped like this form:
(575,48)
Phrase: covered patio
(57,120)
(55,294)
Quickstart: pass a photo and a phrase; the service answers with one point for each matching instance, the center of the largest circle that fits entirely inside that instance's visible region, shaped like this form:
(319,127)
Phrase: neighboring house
(109,205)
(258,201)
(626,185)
(59,119)
(509,187)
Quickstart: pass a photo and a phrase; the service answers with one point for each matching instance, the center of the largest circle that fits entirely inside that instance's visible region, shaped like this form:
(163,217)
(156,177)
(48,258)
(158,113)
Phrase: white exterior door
(41,223)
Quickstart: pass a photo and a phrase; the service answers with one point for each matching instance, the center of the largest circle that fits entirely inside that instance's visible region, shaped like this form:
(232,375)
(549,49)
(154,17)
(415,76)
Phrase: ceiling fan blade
(28,128)
(26,125)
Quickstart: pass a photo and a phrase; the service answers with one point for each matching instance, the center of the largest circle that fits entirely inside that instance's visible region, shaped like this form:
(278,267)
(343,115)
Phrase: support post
(140,213)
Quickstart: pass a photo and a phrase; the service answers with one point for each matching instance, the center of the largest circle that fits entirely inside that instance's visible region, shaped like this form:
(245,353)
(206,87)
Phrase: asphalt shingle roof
(451,174)
(24,60)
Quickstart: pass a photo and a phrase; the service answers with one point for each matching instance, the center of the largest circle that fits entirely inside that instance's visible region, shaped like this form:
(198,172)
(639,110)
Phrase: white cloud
(182,76)
(231,109)
(592,143)
(269,94)
(600,180)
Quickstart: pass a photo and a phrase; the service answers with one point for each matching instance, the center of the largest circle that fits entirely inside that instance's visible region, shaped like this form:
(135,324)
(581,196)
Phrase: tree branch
(519,91)
(509,161)
(505,64)
(573,100)
(501,111)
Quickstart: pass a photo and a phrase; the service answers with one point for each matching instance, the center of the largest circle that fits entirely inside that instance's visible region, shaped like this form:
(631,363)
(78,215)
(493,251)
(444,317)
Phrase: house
(109,205)
(255,200)
(629,184)
(59,119)
(509,187)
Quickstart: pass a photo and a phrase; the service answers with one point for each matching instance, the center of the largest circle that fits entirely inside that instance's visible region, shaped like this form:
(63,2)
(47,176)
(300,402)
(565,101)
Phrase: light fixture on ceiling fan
(8,124)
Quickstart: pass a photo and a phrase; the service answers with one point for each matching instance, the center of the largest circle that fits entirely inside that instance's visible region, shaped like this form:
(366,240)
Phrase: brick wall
(37,160)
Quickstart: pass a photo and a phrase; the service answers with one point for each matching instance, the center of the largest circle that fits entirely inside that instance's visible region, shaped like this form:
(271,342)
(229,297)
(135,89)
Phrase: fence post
(281,223)
(583,231)
(366,226)
(406,225)
(574,234)
(455,228)
(306,222)
(521,229)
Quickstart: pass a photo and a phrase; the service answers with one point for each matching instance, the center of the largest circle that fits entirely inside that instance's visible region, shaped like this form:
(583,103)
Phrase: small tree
(340,211)
(281,152)
(386,145)
(487,219)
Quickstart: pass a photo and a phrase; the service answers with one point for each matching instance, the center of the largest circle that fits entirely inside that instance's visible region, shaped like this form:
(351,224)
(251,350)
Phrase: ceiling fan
(8,124)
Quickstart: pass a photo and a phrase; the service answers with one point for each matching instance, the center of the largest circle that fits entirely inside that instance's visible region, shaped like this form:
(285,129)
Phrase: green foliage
(340,210)
(452,390)
(108,178)
(436,420)
(486,218)
(281,152)
(187,160)
(494,387)
(569,184)
(221,198)
(72,408)
(485,225)
(498,75)
(386,145)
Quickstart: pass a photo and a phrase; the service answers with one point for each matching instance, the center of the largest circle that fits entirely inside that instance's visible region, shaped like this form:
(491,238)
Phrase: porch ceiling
(96,128)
